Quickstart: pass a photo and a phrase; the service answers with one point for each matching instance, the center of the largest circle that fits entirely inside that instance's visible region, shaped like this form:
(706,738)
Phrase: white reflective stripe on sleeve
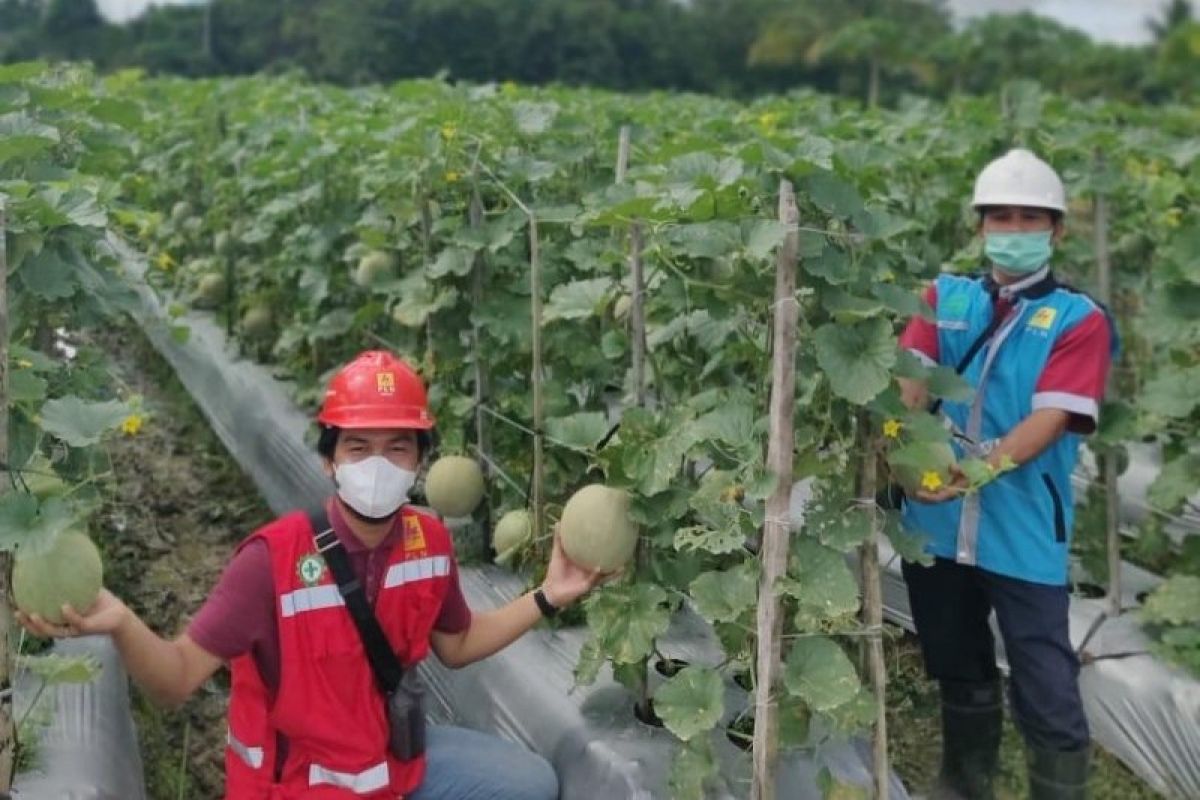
(924,359)
(1065,401)
(419,569)
(253,756)
(310,599)
(369,780)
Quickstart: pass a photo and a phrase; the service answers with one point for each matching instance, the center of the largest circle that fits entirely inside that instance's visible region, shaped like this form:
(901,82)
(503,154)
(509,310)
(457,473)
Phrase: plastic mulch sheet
(89,737)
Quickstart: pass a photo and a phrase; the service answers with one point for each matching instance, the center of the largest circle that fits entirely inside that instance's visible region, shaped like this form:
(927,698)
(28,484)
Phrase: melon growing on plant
(596,530)
(222,243)
(915,464)
(622,308)
(454,486)
(210,291)
(375,267)
(256,322)
(181,211)
(69,572)
(512,531)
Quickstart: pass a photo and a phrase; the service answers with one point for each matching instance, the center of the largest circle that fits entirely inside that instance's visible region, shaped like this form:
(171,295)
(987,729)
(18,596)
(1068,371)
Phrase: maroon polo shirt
(239,615)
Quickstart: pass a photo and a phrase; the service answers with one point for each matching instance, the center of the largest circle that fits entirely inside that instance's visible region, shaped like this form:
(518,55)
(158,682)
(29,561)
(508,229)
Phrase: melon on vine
(69,572)
(454,486)
(210,291)
(923,465)
(222,243)
(622,308)
(512,532)
(256,322)
(375,267)
(181,211)
(596,530)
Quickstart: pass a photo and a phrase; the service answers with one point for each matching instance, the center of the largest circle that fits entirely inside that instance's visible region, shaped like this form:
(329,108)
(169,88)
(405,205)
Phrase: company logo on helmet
(385,382)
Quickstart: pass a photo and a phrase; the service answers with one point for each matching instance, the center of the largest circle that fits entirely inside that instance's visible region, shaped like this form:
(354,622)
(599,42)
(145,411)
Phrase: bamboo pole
(535,290)
(1108,459)
(478,275)
(873,608)
(776,527)
(8,733)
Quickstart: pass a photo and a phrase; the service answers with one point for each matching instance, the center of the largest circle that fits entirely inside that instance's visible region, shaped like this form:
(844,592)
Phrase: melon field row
(316,222)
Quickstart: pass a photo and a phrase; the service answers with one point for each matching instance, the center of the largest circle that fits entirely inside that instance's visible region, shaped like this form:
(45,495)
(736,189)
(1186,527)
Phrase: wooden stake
(478,276)
(868,555)
(1108,459)
(535,291)
(776,528)
(637,283)
(8,733)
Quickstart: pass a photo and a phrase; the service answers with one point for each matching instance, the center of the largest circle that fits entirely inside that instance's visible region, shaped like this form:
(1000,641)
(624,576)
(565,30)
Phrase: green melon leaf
(857,359)
(820,674)
(80,423)
(626,620)
(692,702)
(725,595)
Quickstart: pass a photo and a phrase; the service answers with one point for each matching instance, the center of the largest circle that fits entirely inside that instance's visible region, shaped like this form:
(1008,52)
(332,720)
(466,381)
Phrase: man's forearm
(492,631)
(156,665)
(1035,433)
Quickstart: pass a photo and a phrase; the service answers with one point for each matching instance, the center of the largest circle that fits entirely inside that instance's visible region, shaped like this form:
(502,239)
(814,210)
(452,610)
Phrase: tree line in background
(876,49)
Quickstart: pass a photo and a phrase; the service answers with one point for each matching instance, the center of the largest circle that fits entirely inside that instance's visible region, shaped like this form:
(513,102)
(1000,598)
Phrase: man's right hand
(105,616)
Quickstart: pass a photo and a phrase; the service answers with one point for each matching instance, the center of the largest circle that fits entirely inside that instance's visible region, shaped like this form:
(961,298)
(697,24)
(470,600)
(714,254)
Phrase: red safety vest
(328,705)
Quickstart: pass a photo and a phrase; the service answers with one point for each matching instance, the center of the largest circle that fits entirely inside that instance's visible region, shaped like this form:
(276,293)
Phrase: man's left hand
(566,581)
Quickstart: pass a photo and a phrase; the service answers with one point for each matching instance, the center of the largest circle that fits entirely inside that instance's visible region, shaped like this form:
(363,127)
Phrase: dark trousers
(950,605)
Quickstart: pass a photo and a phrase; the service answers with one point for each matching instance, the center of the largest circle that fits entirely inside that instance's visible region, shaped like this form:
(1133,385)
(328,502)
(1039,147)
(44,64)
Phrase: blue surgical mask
(1019,253)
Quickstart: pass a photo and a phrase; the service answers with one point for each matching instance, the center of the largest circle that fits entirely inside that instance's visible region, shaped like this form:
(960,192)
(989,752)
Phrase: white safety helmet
(1019,178)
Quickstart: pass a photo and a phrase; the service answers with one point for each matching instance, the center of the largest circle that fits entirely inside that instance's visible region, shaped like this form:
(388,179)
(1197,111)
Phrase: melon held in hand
(596,530)
(68,572)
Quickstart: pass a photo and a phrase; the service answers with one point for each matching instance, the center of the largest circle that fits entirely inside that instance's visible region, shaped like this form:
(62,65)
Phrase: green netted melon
(375,267)
(210,291)
(911,463)
(223,243)
(596,530)
(622,308)
(180,212)
(40,478)
(256,322)
(69,572)
(454,486)
(512,531)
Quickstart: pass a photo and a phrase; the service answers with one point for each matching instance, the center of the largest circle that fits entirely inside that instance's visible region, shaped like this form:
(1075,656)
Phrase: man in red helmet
(306,719)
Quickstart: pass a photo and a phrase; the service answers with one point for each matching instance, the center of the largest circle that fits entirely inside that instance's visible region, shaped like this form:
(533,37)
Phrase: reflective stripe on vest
(369,780)
(310,599)
(253,756)
(420,569)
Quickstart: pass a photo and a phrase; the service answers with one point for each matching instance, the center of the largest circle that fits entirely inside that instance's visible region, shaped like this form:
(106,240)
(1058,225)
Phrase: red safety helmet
(376,390)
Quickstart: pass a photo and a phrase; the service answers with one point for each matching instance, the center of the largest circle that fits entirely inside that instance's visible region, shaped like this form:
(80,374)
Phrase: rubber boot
(1058,774)
(972,722)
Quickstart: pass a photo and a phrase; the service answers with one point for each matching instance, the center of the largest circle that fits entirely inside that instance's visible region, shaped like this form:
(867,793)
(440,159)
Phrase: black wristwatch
(544,605)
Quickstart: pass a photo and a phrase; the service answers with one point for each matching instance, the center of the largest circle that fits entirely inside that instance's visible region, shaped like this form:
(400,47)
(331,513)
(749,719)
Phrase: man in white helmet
(1037,354)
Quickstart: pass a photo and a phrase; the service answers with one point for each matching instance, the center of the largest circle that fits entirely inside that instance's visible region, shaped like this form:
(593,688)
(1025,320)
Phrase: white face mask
(374,487)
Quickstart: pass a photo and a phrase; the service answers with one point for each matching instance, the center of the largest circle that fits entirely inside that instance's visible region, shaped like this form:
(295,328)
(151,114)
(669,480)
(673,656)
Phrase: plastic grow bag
(89,739)
(524,693)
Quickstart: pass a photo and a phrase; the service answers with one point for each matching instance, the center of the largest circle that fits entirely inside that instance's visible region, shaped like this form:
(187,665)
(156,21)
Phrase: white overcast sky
(1109,20)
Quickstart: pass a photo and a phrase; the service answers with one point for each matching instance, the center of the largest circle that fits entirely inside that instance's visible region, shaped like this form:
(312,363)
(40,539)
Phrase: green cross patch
(310,568)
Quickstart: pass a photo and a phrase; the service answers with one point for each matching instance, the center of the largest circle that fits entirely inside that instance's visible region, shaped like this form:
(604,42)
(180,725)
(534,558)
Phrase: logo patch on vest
(385,382)
(1043,318)
(955,305)
(414,537)
(310,569)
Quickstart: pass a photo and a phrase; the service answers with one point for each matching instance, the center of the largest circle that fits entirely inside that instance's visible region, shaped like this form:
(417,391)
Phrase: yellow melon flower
(892,428)
(931,481)
(132,424)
